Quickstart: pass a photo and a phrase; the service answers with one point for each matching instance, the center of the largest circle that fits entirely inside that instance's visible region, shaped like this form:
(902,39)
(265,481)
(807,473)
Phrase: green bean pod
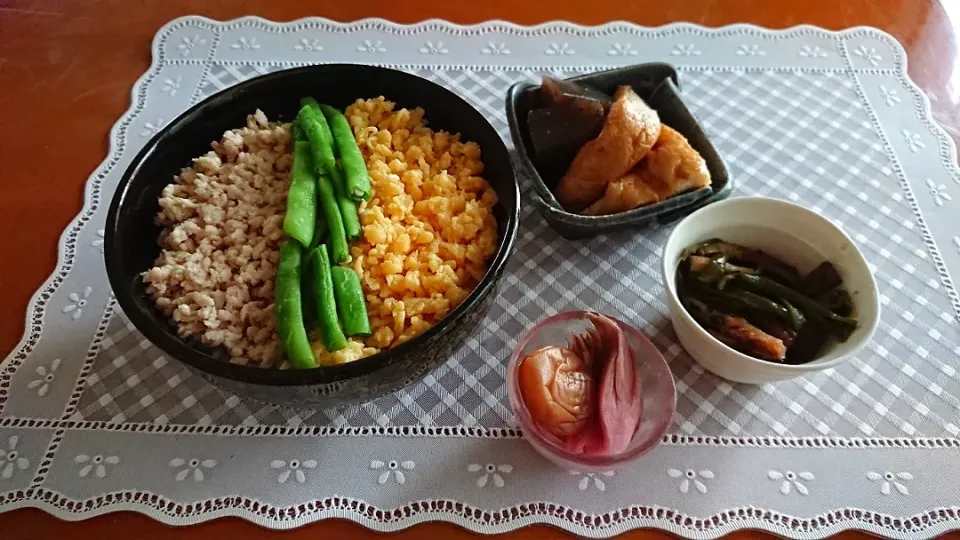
(351,303)
(348,208)
(315,126)
(331,211)
(297,133)
(289,308)
(320,232)
(313,104)
(300,220)
(356,178)
(324,300)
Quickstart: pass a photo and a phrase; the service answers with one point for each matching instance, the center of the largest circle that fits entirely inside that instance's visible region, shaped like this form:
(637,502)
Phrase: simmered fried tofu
(629,132)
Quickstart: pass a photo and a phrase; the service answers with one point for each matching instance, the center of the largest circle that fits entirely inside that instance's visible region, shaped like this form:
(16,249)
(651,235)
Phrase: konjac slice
(571,115)
(558,389)
(561,92)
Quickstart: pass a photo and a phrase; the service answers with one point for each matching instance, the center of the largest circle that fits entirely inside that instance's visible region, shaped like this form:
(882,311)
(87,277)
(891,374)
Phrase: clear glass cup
(657,388)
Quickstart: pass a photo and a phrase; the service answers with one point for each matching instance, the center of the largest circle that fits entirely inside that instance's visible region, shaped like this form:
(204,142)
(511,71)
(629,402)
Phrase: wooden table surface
(67,66)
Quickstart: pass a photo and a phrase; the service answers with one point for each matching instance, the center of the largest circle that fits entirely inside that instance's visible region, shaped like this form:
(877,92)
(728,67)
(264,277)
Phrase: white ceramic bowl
(786,231)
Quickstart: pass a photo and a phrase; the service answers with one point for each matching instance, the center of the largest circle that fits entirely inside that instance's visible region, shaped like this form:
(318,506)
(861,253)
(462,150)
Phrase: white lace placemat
(94,419)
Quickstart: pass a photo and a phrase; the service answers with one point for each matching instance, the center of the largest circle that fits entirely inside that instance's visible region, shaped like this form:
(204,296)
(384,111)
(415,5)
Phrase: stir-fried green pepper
(758,261)
(843,326)
(796,316)
(742,301)
(762,302)
(838,301)
(710,270)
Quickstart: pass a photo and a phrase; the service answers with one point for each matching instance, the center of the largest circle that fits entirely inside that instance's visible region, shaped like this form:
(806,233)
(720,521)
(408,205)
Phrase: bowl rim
(194,357)
(550,450)
(676,307)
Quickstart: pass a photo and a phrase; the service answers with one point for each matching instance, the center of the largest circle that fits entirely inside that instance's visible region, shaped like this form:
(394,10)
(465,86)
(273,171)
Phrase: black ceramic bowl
(658,85)
(130,242)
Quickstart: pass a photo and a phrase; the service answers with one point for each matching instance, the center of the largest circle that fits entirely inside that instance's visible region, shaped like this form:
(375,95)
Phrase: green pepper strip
(843,326)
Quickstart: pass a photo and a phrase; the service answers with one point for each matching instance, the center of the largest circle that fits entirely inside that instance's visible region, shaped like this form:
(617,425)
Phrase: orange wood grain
(67,66)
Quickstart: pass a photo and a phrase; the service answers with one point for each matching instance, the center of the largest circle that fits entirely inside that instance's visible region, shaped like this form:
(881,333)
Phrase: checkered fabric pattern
(805,137)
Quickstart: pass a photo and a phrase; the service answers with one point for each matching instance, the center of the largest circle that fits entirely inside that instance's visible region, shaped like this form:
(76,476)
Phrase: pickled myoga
(587,394)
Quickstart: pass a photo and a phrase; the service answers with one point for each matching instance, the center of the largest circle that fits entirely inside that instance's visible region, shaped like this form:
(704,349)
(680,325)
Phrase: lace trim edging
(926,524)
(932,443)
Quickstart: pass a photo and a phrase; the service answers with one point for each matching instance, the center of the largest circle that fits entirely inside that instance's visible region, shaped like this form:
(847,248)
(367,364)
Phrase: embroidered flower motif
(691,476)
(622,50)
(790,479)
(392,468)
(495,49)
(890,95)
(685,50)
(750,50)
(47,374)
(194,466)
(939,193)
(490,471)
(172,85)
(77,302)
(187,45)
(246,44)
(897,480)
(151,128)
(559,49)
(97,464)
(97,241)
(371,47)
(309,45)
(813,52)
(11,460)
(913,141)
(433,48)
(598,482)
(869,54)
(293,468)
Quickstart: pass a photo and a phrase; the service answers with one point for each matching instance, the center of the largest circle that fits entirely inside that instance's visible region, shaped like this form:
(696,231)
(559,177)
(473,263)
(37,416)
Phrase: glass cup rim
(544,444)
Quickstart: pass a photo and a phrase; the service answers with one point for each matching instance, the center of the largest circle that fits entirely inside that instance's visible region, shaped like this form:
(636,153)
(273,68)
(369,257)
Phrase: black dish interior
(131,236)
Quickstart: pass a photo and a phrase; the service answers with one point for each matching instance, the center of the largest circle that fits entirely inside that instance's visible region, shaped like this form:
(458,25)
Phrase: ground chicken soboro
(223,227)
(428,230)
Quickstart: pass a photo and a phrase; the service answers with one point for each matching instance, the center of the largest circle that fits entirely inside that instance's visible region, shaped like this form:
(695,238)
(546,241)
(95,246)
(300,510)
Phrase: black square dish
(658,85)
